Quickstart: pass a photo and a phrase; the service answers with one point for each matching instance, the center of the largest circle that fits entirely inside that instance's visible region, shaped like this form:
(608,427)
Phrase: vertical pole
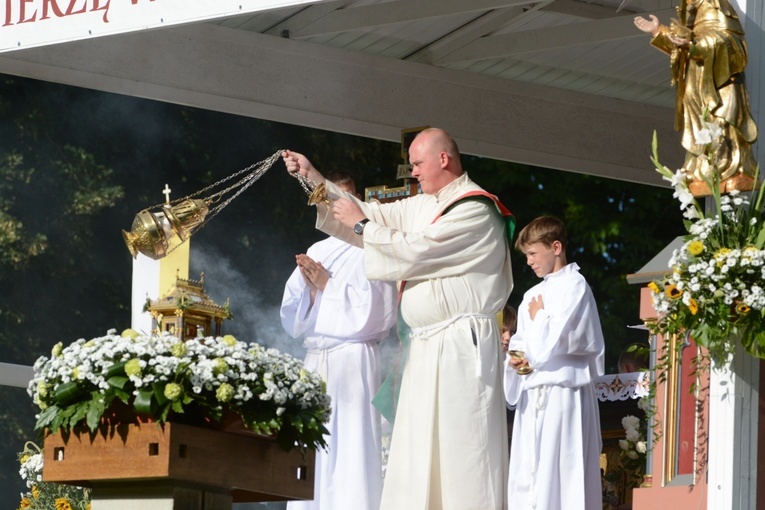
(154,278)
(733,392)
(752,15)
(158,496)
(733,414)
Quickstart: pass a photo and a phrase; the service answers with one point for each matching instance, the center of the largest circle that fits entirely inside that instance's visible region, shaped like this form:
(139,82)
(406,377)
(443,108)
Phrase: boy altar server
(555,451)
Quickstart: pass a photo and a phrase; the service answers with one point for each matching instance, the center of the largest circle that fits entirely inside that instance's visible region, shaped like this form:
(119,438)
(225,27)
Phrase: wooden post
(158,496)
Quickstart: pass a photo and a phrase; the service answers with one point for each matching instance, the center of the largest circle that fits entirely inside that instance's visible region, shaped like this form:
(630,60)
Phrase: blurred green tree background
(77,165)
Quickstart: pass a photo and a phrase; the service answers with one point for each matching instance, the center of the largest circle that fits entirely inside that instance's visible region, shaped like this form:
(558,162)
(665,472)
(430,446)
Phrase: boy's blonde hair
(545,230)
(509,319)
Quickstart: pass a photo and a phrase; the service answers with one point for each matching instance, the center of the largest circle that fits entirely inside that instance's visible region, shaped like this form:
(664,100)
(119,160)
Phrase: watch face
(359,227)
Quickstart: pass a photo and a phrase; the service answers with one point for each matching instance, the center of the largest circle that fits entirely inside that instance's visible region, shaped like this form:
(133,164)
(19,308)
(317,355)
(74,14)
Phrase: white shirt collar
(453,189)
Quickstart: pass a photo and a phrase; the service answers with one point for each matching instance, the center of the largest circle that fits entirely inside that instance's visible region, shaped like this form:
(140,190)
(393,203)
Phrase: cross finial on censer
(166,192)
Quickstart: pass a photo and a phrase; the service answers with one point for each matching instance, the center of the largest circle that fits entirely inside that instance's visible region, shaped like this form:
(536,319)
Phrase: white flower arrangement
(31,460)
(633,449)
(166,379)
(715,289)
(46,495)
(634,445)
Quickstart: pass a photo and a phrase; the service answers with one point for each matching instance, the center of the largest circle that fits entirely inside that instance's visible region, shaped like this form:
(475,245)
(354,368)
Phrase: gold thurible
(151,232)
(155,227)
(317,193)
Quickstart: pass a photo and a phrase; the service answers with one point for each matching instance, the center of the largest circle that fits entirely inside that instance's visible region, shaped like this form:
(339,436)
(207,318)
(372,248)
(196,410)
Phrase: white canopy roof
(564,84)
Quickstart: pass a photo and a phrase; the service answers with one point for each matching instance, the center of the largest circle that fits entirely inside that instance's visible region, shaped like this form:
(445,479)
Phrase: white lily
(702,136)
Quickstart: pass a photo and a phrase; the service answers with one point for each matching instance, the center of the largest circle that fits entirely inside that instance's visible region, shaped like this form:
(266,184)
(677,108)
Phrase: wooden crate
(253,468)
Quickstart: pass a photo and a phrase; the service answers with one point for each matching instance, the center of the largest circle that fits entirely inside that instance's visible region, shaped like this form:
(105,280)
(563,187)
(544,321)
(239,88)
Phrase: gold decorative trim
(670,411)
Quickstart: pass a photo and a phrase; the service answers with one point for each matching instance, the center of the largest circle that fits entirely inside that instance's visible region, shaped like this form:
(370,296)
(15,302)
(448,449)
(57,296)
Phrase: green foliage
(52,191)
(113,380)
(16,245)
(92,191)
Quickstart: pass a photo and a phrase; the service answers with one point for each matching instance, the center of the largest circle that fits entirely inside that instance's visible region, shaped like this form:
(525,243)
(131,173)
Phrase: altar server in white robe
(555,451)
(449,246)
(342,316)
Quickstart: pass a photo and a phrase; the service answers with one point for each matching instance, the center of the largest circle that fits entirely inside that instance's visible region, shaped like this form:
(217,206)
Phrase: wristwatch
(359,227)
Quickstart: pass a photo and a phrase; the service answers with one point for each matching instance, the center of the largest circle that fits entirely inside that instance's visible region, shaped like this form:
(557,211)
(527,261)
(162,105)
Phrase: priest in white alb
(449,248)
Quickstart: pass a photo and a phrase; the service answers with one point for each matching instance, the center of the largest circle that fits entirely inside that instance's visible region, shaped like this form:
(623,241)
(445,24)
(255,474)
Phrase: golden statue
(708,56)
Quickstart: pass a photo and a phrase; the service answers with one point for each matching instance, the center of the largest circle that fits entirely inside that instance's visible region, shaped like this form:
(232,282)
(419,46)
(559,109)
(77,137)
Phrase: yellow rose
(693,306)
(229,340)
(695,248)
(722,252)
(654,287)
